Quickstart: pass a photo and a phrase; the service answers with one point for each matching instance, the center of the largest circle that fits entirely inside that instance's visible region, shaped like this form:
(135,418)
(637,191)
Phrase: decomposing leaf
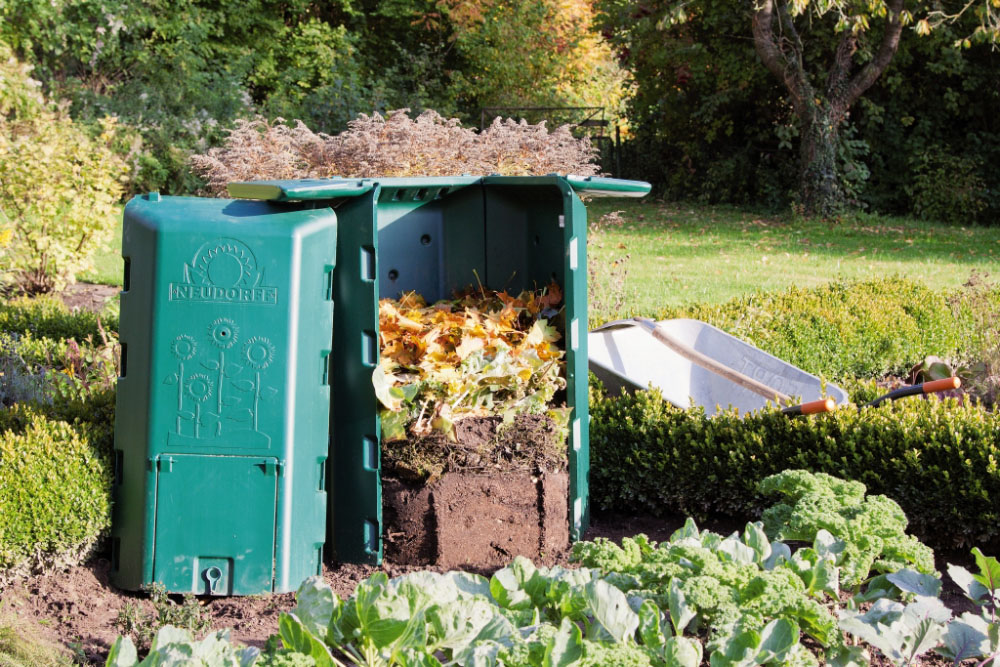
(481,353)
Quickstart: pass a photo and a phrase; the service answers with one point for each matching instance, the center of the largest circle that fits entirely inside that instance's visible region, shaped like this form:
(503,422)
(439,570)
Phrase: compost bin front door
(215,522)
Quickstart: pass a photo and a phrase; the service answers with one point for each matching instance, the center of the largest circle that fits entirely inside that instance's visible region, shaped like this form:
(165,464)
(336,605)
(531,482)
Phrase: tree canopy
(822,57)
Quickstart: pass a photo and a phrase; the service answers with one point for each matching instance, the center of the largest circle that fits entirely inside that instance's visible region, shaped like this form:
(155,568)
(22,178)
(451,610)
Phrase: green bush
(55,488)
(48,317)
(947,188)
(937,459)
(847,329)
(58,184)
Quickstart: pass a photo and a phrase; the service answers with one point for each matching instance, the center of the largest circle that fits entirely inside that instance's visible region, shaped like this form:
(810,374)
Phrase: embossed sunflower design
(199,387)
(184,347)
(259,352)
(224,333)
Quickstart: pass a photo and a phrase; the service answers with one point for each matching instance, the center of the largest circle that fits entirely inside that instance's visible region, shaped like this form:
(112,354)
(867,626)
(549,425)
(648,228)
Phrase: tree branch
(836,78)
(870,73)
(790,72)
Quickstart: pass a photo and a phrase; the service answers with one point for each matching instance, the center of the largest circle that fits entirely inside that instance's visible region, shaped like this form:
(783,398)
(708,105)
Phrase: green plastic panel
(436,235)
(355,460)
(596,186)
(303,190)
(215,523)
(226,316)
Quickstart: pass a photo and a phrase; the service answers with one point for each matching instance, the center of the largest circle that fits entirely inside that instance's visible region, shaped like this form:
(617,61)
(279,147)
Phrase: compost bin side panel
(355,458)
(536,232)
(577,377)
(131,566)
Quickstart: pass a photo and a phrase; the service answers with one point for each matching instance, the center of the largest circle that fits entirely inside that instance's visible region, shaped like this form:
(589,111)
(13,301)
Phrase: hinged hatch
(215,523)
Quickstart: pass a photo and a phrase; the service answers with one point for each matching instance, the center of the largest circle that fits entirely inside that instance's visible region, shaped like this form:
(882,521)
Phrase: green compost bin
(433,236)
(221,433)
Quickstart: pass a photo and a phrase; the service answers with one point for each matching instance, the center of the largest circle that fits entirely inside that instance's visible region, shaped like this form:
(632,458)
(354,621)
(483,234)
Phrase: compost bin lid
(337,188)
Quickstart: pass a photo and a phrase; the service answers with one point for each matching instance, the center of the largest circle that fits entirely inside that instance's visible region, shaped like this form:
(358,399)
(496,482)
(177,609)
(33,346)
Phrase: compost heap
(469,384)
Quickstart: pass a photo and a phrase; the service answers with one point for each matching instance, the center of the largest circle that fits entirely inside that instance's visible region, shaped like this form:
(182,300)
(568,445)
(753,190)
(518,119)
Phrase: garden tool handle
(941,385)
(811,408)
(711,365)
(912,390)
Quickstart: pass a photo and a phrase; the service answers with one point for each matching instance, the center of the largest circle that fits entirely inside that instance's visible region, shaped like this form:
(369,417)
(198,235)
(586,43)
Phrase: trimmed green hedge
(48,317)
(937,459)
(851,329)
(55,483)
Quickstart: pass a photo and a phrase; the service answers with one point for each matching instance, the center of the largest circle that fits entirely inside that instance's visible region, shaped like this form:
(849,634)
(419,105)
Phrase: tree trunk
(820,110)
(820,192)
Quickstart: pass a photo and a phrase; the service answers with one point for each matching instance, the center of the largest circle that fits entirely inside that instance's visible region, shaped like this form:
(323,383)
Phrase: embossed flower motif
(199,387)
(224,333)
(259,352)
(184,347)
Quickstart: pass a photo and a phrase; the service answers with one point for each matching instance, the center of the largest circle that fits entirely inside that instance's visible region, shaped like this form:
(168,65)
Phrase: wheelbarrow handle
(811,408)
(711,365)
(931,387)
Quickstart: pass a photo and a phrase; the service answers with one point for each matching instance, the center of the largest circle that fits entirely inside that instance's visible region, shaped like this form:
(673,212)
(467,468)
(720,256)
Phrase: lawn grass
(108,264)
(682,254)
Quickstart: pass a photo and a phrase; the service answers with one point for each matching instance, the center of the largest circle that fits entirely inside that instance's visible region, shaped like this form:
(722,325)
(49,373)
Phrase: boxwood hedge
(55,482)
(48,317)
(853,329)
(937,459)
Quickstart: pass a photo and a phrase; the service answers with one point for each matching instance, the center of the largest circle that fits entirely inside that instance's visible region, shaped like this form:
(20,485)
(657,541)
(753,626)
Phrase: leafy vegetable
(869,530)
(174,647)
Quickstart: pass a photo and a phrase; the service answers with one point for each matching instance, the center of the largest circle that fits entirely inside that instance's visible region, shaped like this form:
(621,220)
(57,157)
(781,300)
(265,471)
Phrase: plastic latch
(271,467)
(212,576)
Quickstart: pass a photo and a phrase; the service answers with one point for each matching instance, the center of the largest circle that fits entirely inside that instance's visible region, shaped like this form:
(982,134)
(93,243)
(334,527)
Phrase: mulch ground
(79,606)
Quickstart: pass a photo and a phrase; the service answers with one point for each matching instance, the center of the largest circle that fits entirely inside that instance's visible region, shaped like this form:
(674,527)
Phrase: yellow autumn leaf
(469,345)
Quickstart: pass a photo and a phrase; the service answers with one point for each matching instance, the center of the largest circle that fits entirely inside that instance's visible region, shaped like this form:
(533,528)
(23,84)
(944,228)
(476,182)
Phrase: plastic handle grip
(942,385)
(608,187)
(303,190)
(817,407)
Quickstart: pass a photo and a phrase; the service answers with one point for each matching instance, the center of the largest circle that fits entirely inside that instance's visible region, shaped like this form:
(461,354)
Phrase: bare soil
(78,607)
(477,522)
(87,296)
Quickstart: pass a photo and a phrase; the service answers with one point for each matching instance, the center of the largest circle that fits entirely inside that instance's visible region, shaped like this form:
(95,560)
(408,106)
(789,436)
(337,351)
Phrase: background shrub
(58,184)
(851,329)
(48,317)
(397,145)
(936,459)
(946,187)
(55,488)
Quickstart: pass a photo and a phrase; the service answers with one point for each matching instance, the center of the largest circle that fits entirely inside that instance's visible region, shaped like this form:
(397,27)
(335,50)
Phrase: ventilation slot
(325,369)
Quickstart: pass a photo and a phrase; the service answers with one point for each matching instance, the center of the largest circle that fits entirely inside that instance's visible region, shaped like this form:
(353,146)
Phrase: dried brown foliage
(397,145)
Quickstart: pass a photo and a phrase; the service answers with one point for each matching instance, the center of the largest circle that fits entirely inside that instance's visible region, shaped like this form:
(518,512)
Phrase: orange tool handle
(816,407)
(811,408)
(942,385)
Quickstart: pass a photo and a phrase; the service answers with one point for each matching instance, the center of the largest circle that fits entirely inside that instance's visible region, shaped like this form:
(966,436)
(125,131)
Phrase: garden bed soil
(76,608)
(476,499)
(87,296)
(476,522)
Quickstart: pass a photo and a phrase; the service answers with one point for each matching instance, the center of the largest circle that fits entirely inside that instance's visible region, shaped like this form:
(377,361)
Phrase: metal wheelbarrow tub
(626,355)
